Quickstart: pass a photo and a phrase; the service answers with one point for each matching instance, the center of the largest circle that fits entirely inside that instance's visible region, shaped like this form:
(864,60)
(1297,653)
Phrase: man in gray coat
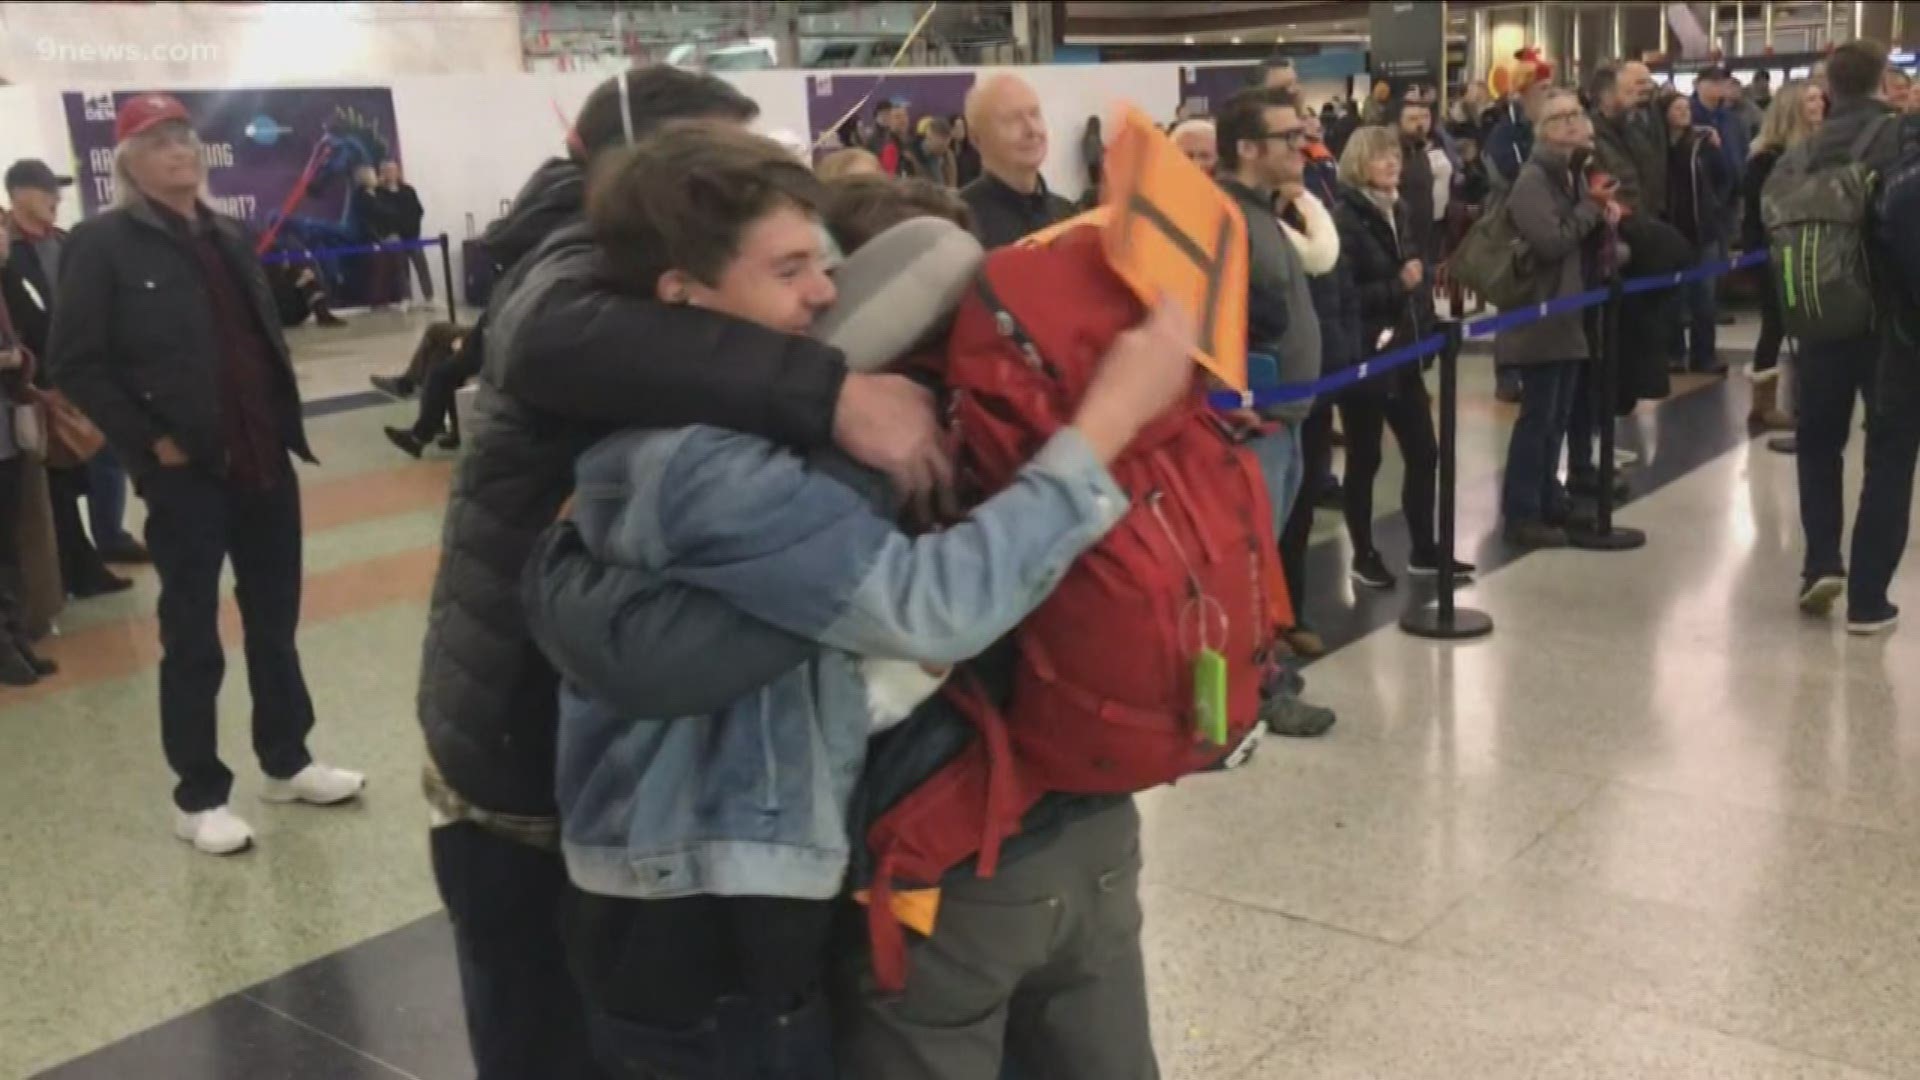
(1628,141)
(1562,224)
(1260,135)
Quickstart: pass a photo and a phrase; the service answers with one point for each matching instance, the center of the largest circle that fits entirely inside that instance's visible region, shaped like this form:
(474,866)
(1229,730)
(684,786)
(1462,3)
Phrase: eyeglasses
(1291,138)
(1575,115)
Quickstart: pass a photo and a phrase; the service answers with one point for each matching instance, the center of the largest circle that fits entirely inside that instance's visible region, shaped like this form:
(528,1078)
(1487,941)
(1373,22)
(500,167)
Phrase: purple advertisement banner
(1204,89)
(260,145)
(830,96)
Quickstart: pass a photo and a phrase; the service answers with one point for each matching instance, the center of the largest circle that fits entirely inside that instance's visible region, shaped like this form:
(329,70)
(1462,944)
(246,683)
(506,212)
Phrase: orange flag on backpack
(1172,232)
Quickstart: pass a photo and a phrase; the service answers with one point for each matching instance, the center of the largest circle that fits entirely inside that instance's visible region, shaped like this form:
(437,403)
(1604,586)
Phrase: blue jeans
(107,499)
(1703,312)
(1279,454)
(1532,485)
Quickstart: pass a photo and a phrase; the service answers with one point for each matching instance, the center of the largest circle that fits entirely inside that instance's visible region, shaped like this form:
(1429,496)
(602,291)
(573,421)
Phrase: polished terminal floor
(1656,826)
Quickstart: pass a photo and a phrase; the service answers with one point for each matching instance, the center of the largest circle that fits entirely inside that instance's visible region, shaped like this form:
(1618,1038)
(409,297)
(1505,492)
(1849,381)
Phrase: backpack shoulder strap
(1008,326)
(1858,151)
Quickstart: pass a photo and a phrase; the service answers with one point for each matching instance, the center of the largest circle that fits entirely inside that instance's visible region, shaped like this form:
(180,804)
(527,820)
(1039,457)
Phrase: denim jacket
(753,799)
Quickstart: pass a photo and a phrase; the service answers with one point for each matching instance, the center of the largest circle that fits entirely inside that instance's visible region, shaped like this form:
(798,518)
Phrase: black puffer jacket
(566,361)
(1337,305)
(1374,250)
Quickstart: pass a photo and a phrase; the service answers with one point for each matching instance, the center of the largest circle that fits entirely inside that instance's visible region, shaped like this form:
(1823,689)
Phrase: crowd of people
(712,455)
(51,458)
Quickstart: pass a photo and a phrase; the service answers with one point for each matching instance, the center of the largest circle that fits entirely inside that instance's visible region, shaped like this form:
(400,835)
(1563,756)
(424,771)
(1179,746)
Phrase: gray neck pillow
(898,290)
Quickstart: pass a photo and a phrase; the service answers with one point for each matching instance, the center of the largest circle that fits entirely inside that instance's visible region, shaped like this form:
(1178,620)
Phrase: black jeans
(1773,331)
(525,1018)
(1831,375)
(1316,458)
(195,523)
(13,592)
(1404,407)
(443,382)
(80,563)
(705,987)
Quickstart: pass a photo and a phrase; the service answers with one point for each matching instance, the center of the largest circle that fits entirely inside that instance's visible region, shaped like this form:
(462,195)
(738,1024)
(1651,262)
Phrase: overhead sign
(1409,42)
(1173,233)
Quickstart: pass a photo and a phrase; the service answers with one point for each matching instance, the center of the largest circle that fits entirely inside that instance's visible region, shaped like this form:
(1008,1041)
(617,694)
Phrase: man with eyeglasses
(1561,214)
(168,338)
(1262,168)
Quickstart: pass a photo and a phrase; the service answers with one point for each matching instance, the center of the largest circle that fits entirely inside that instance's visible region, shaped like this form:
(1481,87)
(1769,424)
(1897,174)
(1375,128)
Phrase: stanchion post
(1443,620)
(1606,391)
(446,271)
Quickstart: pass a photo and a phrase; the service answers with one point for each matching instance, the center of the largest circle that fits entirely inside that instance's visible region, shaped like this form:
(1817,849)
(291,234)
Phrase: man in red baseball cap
(168,338)
(143,113)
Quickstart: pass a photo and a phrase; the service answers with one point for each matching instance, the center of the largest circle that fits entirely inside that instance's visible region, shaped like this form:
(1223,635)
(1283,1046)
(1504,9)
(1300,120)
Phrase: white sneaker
(321,785)
(216,832)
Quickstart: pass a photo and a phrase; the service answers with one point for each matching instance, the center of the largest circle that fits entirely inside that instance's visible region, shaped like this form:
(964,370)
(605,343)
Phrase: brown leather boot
(1766,414)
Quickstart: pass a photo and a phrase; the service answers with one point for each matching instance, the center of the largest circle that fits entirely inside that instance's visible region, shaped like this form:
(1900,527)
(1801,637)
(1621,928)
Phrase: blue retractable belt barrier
(1508,320)
(358,249)
(1339,380)
(1699,273)
(1492,324)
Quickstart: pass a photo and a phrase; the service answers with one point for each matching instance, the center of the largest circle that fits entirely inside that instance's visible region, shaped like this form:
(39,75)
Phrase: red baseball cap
(144,112)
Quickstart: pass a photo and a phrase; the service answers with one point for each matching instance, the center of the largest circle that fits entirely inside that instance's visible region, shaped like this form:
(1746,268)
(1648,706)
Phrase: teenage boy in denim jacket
(708,849)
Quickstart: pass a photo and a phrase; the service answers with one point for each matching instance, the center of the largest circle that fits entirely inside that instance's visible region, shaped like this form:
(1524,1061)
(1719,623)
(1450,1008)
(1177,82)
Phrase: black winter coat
(133,341)
(1416,195)
(1753,230)
(1699,188)
(1336,303)
(403,211)
(368,210)
(566,362)
(28,295)
(1375,250)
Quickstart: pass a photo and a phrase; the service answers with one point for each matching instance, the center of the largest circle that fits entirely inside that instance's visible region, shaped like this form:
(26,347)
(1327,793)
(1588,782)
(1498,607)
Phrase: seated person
(709,850)
(447,358)
(438,342)
(298,290)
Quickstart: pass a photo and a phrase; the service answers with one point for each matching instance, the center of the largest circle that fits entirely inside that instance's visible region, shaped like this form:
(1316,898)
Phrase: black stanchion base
(1466,623)
(1615,539)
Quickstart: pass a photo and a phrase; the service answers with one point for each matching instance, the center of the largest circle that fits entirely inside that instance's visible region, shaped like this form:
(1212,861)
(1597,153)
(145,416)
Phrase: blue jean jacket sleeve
(643,645)
(801,550)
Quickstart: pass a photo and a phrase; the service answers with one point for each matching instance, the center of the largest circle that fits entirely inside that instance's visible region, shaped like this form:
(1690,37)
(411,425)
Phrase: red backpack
(1104,696)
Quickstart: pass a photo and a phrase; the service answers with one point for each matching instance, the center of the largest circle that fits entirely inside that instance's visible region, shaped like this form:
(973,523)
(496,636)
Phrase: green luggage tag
(1207,621)
(1210,696)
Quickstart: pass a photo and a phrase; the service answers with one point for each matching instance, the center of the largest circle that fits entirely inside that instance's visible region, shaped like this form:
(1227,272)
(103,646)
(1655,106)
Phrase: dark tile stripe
(232,1039)
(396,997)
(314,410)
